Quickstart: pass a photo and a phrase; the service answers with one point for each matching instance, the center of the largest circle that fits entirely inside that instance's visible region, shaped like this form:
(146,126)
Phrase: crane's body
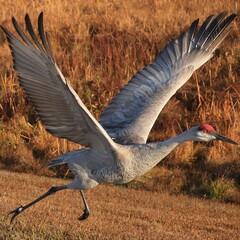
(131,161)
(116,151)
(127,162)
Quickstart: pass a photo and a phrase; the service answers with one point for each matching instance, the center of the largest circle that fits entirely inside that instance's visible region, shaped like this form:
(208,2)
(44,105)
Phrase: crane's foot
(86,211)
(85,215)
(23,208)
(16,212)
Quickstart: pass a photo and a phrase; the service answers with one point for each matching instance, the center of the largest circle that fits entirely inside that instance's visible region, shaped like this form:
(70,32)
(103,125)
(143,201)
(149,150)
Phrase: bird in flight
(116,146)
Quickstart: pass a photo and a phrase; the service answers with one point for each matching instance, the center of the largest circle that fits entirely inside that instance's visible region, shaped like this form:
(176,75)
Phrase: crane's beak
(220,137)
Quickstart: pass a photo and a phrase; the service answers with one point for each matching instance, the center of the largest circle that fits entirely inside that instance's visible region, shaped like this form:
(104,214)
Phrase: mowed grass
(116,213)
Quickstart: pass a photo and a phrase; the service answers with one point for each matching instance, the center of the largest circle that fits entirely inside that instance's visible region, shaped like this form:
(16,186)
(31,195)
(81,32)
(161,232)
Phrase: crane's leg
(22,208)
(86,210)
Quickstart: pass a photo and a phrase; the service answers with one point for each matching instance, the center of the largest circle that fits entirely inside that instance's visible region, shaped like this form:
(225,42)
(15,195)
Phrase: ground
(116,213)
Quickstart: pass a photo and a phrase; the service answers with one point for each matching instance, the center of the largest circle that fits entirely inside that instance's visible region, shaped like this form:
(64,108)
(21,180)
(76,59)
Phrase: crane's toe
(85,215)
(15,213)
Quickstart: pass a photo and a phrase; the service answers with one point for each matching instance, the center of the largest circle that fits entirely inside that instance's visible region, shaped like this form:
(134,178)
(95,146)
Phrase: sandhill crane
(116,149)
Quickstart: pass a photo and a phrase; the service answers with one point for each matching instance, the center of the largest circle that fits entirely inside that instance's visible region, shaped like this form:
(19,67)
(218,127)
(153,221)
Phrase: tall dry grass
(99,45)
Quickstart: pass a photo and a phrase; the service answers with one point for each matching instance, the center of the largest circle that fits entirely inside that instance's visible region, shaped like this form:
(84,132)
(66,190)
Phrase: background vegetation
(99,45)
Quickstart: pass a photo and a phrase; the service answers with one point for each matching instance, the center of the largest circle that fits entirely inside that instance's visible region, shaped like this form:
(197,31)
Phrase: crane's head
(205,132)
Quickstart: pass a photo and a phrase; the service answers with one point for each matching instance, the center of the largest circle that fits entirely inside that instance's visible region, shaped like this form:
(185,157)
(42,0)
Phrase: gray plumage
(116,145)
(131,114)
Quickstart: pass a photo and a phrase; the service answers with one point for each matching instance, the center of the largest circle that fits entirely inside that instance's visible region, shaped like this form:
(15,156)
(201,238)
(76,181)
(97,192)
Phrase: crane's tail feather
(58,161)
(65,158)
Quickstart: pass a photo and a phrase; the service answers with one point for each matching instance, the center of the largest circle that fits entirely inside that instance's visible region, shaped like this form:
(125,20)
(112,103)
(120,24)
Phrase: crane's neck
(183,137)
(152,153)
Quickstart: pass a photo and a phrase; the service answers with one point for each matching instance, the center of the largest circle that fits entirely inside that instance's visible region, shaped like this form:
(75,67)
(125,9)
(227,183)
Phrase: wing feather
(133,111)
(57,104)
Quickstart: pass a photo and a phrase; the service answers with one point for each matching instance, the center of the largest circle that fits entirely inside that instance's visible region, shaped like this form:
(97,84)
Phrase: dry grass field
(99,45)
(117,213)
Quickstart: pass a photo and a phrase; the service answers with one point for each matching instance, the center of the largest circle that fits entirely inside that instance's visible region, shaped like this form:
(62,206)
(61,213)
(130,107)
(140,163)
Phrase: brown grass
(117,213)
(99,46)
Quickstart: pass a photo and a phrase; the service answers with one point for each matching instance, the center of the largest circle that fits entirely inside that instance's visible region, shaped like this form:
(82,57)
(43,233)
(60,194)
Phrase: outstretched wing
(132,113)
(57,104)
